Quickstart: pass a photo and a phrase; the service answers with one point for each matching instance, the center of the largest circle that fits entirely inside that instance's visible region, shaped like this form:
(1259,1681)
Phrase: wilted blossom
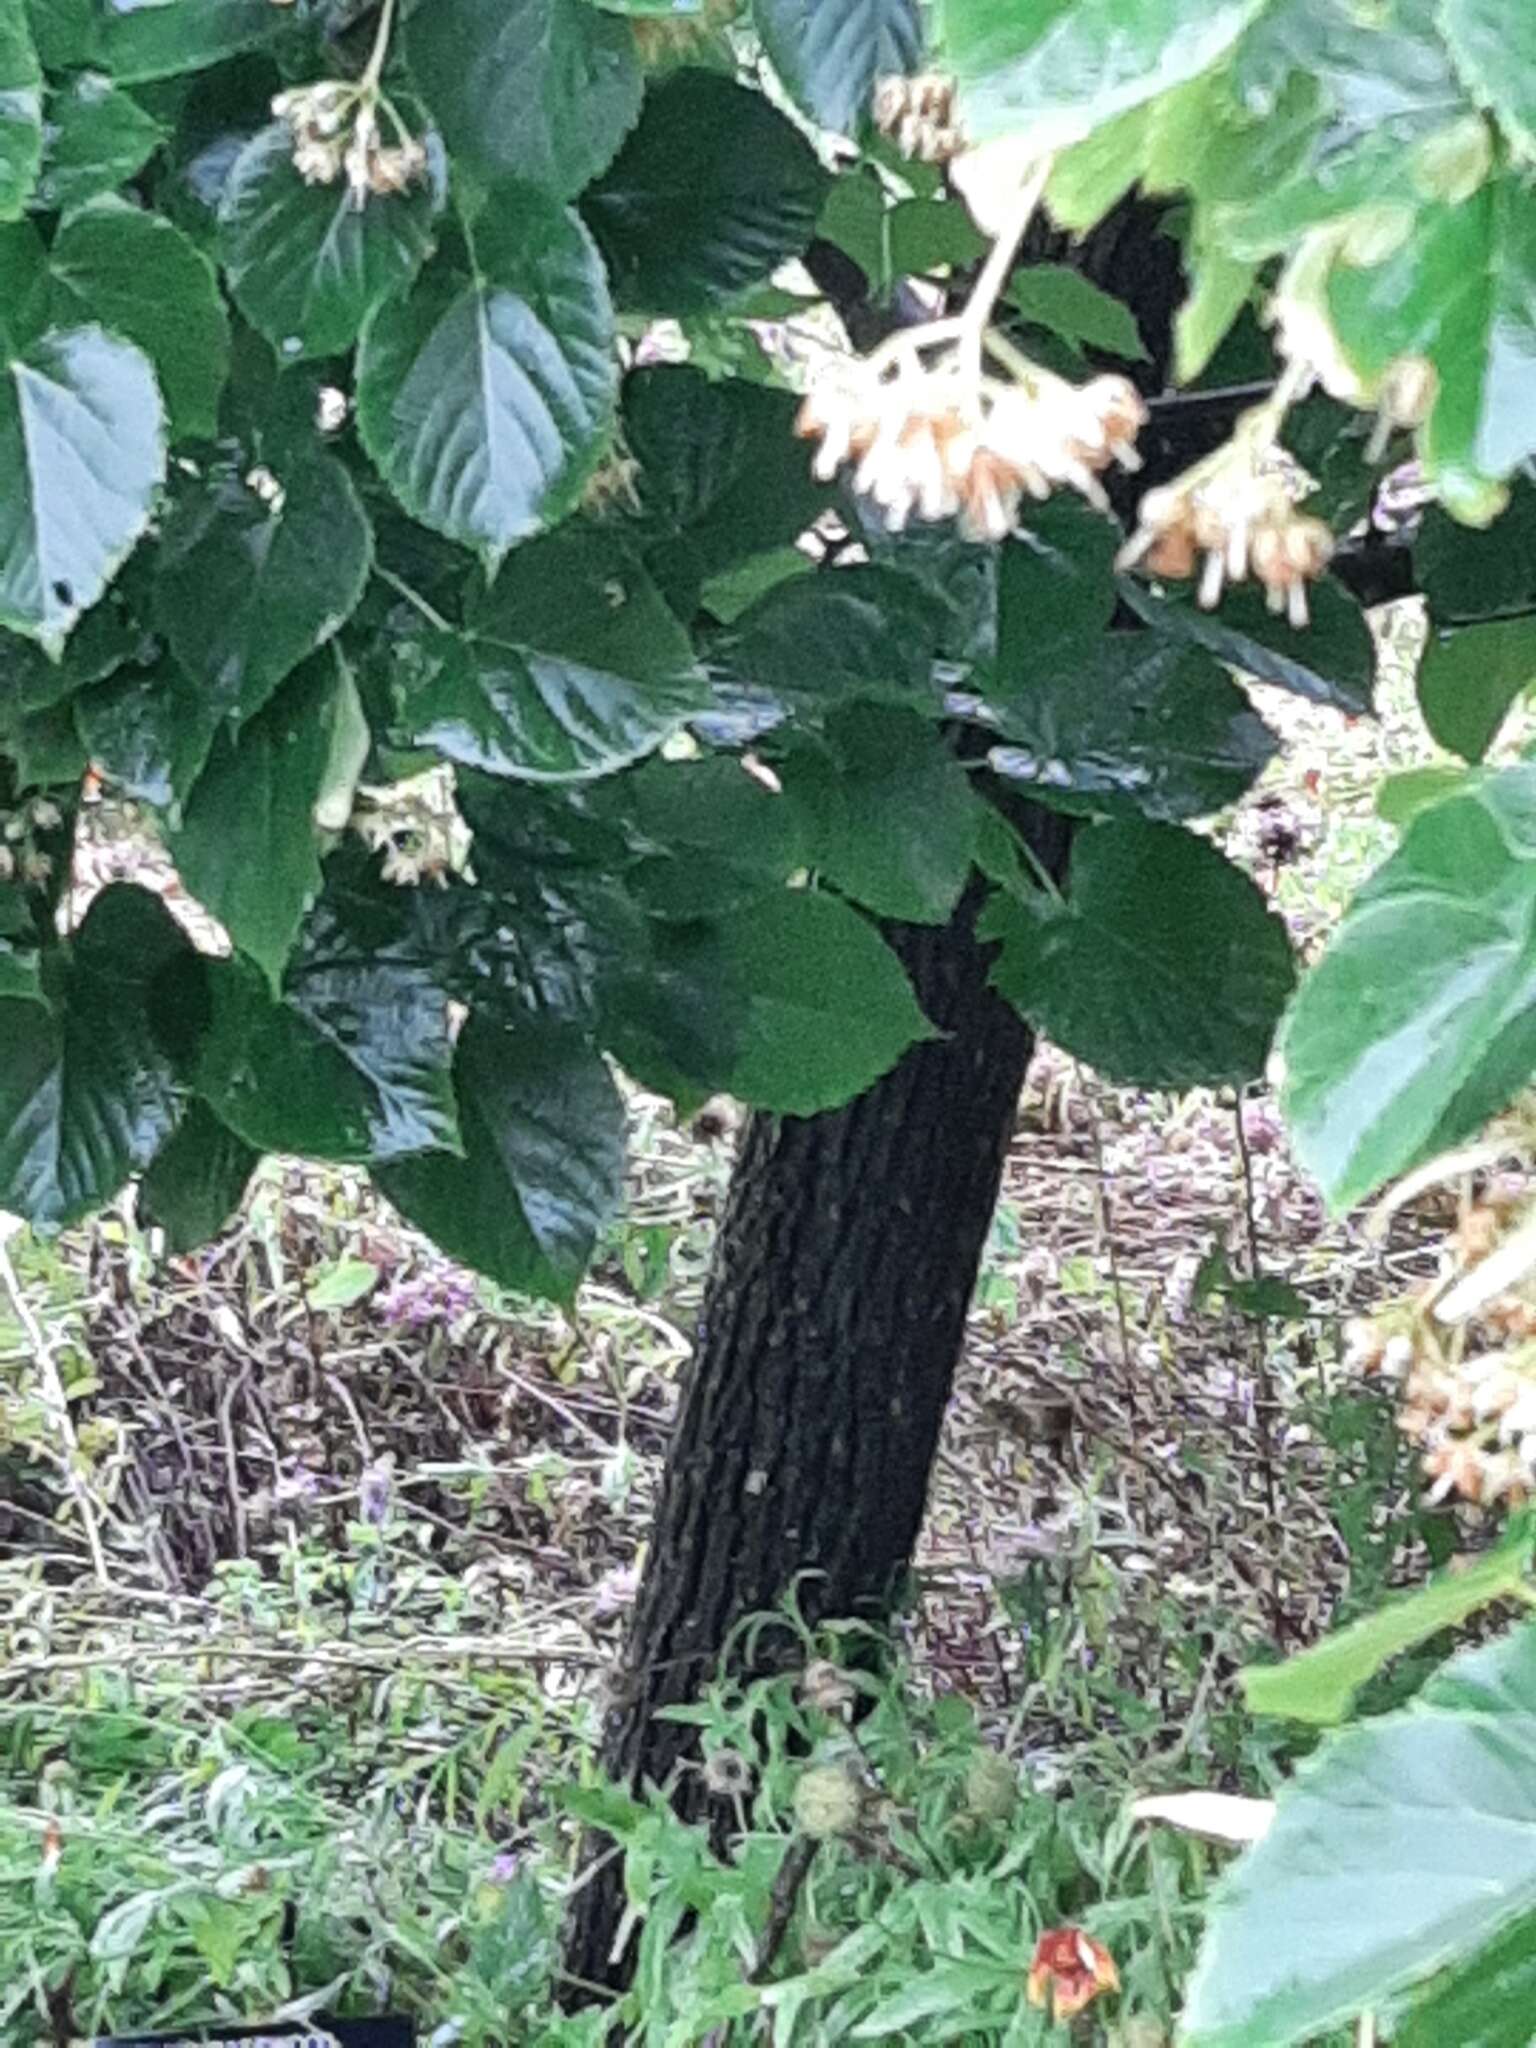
(1069,1970)
(422,1298)
(615,1591)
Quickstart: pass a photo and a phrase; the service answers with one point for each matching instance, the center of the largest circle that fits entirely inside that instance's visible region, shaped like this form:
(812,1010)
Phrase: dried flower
(1070,1969)
(335,129)
(824,1686)
(829,1801)
(918,115)
(727,1774)
(1239,520)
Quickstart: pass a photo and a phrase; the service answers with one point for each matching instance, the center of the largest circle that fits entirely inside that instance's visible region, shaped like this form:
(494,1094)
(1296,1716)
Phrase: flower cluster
(933,442)
(918,115)
(1241,521)
(336,134)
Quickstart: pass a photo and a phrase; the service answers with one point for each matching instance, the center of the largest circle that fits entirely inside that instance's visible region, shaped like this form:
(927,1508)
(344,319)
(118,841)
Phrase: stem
(996,270)
(373,70)
(58,1401)
(413,597)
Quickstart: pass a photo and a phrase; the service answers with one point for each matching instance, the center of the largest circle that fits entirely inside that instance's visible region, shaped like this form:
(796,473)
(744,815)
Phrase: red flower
(1070,1969)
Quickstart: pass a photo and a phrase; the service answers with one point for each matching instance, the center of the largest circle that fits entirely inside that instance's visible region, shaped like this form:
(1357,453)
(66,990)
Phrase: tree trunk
(832,1321)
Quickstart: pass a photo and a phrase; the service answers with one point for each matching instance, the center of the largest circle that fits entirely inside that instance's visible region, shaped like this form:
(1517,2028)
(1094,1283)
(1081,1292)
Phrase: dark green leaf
(712,192)
(829,1006)
(1467,575)
(543,1157)
(830,57)
(570,666)
(1053,295)
(485,398)
(1419,1021)
(82,449)
(722,477)
(23,286)
(859,632)
(1485,2003)
(1060,72)
(248,585)
(673,1014)
(86,1095)
(1055,589)
(157,40)
(1138,725)
(247,843)
(1494,49)
(306,265)
(141,276)
(1164,968)
(352,1064)
(539,90)
(1408,1841)
(710,836)
(1320,1684)
(194,1183)
(102,642)
(21,110)
(1331,661)
(95,137)
(924,234)
(1468,679)
(148,732)
(890,815)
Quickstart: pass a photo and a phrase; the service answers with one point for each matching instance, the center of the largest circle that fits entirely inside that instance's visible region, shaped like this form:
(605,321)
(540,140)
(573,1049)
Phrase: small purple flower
(504,1868)
(424,1298)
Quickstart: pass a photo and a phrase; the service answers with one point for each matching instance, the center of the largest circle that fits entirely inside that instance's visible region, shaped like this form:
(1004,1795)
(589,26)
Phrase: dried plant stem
(71,1461)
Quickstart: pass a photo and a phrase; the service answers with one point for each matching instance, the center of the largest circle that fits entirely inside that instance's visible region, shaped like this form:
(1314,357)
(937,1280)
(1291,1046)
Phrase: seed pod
(991,1786)
(828,1802)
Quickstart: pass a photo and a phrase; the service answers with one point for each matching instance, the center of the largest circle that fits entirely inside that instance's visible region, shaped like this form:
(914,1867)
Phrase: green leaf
(711,838)
(830,57)
(306,265)
(543,1157)
(570,666)
(1059,72)
(247,843)
(485,397)
(1469,678)
(891,818)
(96,137)
(340,1283)
(922,235)
(542,91)
(1419,1021)
(86,1094)
(712,192)
(196,1180)
(21,110)
(1466,575)
(1460,291)
(31,681)
(1494,49)
(1402,796)
(1090,177)
(351,1065)
(1320,1684)
(148,732)
(1404,1845)
(1164,968)
(829,1005)
(1055,583)
(1332,660)
(23,285)
(1081,312)
(864,631)
(141,276)
(1485,2004)
(1139,725)
(247,586)
(721,476)
(948,1990)
(157,40)
(82,450)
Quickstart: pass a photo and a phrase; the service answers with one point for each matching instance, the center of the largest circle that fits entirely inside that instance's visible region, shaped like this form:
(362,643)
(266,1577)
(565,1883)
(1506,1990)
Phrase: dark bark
(831,1325)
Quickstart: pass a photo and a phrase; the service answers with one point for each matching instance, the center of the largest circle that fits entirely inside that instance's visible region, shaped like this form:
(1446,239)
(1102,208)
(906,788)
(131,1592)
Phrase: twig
(1107,1215)
(792,1873)
(57,1399)
(1266,1385)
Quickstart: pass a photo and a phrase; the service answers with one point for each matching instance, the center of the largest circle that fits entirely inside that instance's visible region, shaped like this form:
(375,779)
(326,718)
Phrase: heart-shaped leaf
(139,275)
(830,57)
(543,1157)
(97,136)
(82,450)
(194,1183)
(543,91)
(248,585)
(485,396)
(1164,968)
(305,263)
